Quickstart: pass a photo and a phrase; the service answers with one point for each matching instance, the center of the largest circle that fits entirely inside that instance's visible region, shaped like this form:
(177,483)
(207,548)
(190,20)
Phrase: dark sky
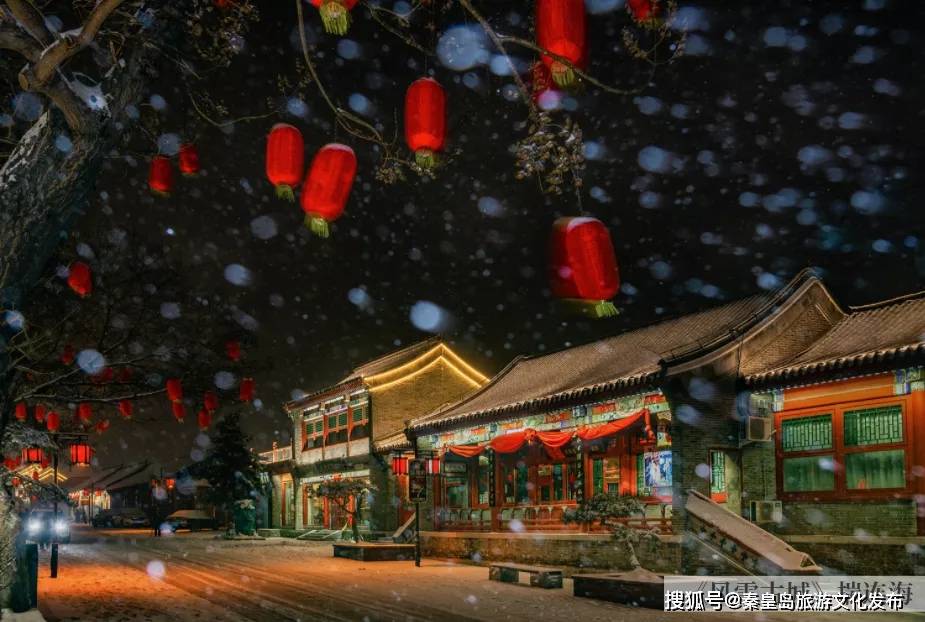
(788,136)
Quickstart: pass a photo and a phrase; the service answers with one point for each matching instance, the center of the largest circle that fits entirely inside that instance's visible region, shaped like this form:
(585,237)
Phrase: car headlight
(34,526)
(60,526)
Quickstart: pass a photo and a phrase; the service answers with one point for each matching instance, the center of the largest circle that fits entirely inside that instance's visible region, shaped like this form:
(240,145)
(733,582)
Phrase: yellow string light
(452,359)
(459,372)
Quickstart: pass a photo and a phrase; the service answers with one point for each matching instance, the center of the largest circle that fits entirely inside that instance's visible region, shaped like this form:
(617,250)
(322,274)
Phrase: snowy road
(129,575)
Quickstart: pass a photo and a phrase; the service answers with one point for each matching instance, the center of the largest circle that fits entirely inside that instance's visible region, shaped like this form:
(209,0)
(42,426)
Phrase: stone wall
(888,556)
(552,549)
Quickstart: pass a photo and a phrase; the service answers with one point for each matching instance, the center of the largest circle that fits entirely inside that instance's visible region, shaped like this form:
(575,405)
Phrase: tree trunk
(355,518)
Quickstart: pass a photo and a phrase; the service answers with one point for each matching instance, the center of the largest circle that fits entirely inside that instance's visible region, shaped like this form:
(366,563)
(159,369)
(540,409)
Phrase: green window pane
(523,495)
(876,469)
(641,476)
(717,471)
(319,426)
(597,475)
(557,481)
(808,474)
(484,475)
(807,433)
(359,414)
(332,421)
(873,426)
(342,419)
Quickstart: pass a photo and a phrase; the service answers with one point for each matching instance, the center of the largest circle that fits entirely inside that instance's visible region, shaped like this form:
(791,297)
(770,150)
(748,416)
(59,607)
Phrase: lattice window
(807,433)
(874,426)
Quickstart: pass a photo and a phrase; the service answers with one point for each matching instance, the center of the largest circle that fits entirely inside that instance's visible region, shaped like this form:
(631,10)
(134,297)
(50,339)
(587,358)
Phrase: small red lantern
(210,401)
(560,29)
(102,426)
(84,414)
(174,390)
(400,465)
(21,412)
(246,390)
(179,411)
(67,354)
(425,120)
(433,466)
(39,413)
(169,483)
(223,4)
(16,482)
(335,15)
(81,454)
(233,349)
(125,374)
(643,12)
(285,159)
(160,176)
(80,279)
(583,267)
(105,375)
(189,159)
(125,409)
(33,455)
(204,418)
(327,186)
(12,462)
(52,421)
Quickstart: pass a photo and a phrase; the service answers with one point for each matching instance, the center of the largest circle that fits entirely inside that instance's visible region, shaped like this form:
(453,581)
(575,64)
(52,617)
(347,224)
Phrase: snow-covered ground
(133,576)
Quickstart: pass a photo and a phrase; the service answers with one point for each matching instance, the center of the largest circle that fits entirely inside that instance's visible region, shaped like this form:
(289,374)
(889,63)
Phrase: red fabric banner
(611,427)
(466,451)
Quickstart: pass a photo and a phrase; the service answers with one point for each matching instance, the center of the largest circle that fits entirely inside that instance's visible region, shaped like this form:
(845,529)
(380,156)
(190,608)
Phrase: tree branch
(31,19)
(15,39)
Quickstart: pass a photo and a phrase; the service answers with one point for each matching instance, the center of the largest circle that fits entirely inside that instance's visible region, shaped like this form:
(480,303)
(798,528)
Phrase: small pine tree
(229,466)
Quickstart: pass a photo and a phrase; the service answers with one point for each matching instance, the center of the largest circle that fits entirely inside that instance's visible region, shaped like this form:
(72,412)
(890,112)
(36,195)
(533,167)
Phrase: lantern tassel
(563,75)
(319,226)
(594,309)
(425,158)
(285,193)
(335,17)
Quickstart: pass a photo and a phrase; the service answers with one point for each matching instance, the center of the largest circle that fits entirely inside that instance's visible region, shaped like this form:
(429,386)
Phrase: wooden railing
(280,454)
(540,518)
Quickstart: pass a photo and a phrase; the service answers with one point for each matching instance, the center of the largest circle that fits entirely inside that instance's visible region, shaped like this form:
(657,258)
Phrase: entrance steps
(739,543)
(322,534)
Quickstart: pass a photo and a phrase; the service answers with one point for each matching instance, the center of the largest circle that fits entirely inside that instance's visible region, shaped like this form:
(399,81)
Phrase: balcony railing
(280,454)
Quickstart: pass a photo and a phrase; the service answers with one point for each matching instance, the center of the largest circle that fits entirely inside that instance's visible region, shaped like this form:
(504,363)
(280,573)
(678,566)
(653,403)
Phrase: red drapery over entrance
(553,441)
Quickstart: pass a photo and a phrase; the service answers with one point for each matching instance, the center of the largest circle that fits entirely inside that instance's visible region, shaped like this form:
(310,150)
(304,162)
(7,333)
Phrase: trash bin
(245,517)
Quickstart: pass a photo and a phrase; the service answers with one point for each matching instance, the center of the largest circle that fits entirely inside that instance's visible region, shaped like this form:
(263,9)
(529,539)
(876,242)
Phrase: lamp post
(57,438)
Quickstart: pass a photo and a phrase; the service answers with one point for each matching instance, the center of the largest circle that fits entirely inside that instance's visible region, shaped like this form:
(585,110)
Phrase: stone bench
(540,576)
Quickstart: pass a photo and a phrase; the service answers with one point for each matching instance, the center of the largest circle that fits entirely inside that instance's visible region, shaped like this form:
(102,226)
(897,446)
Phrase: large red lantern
(80,279)
(126,409)
(560,29)
(233,349)
(210,401)
(285,159)
(102,426)
(246,390)
(327,186)
(160,176)
(21,412)
(84,414)
(425,120)
(335,15)
(204,419)
(179,411)
(81,454)
(39,413)
(52,421)
(34,455)
(400,465)
(583,268)
(644,12)
(67,354)
(189,159)
(174,390)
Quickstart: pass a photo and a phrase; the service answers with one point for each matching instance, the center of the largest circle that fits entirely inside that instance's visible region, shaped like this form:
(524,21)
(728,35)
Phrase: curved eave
(831,369)
(625,384)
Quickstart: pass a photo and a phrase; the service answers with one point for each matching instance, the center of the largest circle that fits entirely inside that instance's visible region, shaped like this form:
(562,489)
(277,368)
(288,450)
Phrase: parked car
(43,527)
(190,519)
(103,518)
(129,517)
(137,520)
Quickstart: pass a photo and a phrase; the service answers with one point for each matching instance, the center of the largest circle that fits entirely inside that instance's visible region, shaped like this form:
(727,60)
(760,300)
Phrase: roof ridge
(871,306)
(394,353)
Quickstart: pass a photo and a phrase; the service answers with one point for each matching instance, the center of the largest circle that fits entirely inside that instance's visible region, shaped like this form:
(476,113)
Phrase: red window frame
(306,435)
(838,451)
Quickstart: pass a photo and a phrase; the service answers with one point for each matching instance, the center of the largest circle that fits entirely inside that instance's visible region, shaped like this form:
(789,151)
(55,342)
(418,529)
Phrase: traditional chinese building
(664,413)
(347,429)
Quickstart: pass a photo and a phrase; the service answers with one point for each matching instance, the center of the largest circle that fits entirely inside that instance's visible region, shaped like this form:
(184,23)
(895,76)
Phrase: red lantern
(33,455)
(105,375)
(169,483)
(125,409)
(12,462)
(84,414)
(285,159)
(53,421)
(643,11)
(327,186)
(189,159)
(160,176)
(210,401)
(174,390)
(16,482)
(21,411)
(560,29)
(425,120)
(223,4)
(335,15)
(433,466)
(179,411)
(102,426)
(67,354)
(246,390)
(81,454)
(125,374)
(400,465)
(204,419)
(40,413)
(233,349)
(583,267)
(80,279)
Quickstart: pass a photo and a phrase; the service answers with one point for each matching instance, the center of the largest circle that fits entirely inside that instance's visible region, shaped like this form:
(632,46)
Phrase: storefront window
(456,481)
(876,469)
(522,475)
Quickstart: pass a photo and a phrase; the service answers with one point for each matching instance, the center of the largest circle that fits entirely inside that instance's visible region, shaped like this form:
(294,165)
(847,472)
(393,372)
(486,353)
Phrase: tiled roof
(393,442)
(869,337)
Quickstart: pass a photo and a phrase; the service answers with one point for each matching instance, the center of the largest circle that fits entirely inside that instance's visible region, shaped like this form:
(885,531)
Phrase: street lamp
(81,455)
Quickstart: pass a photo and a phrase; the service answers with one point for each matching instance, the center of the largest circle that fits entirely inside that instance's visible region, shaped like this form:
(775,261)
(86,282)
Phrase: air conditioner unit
(759,428)
(767,512)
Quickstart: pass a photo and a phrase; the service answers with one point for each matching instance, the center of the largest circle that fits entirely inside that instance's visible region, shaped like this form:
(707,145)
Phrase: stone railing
(280,454)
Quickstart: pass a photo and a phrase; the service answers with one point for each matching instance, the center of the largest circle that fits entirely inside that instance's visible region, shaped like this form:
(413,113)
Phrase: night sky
(789,135)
